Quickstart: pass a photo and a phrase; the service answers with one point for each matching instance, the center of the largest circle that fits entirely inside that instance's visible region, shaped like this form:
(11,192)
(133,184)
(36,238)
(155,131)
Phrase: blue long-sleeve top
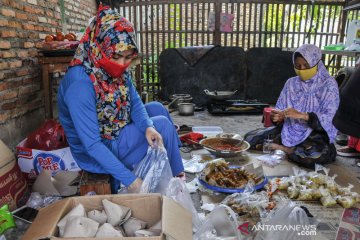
(77,113)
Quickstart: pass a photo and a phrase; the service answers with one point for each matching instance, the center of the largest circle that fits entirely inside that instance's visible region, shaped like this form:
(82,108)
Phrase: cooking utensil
(209,143)
(230,135)
(219,95)
(201,145)
(186,109)
(184,96)
(179,98)
(233,136)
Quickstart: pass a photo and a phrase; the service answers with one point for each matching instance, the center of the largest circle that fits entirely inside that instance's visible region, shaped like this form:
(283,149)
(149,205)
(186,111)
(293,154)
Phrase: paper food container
(176,220)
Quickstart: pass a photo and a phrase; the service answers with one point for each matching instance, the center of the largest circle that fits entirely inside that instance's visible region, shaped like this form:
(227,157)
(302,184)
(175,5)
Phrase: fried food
(219,174)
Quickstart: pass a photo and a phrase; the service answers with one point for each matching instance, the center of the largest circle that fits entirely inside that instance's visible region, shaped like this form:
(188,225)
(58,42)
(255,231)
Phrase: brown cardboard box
(176,220)
(13,187)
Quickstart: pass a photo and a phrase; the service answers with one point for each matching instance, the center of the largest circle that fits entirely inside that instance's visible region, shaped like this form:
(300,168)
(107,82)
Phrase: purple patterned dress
(319,97)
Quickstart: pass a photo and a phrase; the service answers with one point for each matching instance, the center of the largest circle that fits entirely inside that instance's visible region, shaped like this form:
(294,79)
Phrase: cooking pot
(186,109)
(182,96)
(179,98)
(219,95)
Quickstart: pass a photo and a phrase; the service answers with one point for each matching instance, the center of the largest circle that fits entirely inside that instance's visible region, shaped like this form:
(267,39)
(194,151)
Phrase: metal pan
(220,95)
(211,143)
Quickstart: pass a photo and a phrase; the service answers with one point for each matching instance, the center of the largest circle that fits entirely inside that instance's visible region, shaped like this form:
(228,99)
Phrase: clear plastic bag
(35,201)
(193,166)
(155,171)
(250,208)
(38,201)
(272,159)
(290,222)
(220,224)
(178,191)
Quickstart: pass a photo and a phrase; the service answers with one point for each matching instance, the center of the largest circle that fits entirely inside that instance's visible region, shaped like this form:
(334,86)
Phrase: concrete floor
(242,124)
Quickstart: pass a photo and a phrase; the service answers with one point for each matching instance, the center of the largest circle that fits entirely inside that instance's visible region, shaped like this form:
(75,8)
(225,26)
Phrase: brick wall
(23,25)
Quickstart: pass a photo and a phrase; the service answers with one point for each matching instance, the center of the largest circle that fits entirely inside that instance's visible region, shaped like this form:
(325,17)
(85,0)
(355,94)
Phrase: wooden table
(50,65)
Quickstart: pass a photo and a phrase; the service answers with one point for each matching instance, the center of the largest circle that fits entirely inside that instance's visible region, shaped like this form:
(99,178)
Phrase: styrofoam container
(208,131)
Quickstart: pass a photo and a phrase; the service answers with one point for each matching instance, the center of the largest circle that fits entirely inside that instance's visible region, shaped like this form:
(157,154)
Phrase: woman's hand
(293,113)
(181,176)
(135,186)
(153,136)
(276,116)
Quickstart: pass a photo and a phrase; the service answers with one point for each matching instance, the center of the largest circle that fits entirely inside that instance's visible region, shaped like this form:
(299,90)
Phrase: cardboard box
(32,161)
(99,183)
(13,187)
(176,220)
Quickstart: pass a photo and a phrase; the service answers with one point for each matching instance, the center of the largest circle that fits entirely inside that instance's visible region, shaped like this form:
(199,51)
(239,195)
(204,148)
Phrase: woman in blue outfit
(107,126)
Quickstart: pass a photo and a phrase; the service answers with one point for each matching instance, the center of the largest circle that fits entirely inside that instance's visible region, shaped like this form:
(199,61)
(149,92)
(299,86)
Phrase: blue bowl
(231,190)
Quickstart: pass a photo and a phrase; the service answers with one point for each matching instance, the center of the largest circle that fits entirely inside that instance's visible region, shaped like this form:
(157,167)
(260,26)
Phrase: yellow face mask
(306,74)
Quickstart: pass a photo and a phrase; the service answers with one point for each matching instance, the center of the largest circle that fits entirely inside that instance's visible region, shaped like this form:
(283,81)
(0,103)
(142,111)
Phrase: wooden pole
(217,33)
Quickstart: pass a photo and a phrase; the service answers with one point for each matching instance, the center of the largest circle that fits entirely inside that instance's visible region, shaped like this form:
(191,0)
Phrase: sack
(155,171)
(49,136)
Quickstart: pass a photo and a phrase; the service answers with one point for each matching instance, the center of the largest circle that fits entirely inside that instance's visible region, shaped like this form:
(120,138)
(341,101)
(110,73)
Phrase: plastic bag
(6,219)
(290,221)
(193,166)
(155,171)
(272,159)
(221,223)
(250,208)
(178,191)
(35,201)
(49,136)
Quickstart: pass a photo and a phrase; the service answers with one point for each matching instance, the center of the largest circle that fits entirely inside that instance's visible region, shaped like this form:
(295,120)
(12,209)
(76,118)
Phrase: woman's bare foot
(275,146)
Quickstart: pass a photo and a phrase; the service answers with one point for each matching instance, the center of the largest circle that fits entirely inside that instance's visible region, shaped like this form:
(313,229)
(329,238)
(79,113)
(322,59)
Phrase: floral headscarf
(113,34)
(319,95)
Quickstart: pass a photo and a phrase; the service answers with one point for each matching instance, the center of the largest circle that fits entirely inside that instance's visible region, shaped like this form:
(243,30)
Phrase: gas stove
(236,107)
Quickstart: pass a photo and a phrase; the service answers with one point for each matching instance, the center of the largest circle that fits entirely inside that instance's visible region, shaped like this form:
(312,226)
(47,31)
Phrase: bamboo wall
(282,23)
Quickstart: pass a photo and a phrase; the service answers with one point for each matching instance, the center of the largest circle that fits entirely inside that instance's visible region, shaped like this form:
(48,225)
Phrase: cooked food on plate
(219,173)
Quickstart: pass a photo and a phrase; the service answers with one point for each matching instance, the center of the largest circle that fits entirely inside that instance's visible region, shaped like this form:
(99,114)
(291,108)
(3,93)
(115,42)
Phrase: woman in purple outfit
(304,112)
